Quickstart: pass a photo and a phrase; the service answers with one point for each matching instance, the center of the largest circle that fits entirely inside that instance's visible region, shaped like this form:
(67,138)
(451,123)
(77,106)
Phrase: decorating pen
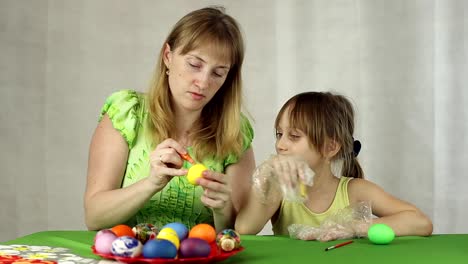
(339,245)
(187,157)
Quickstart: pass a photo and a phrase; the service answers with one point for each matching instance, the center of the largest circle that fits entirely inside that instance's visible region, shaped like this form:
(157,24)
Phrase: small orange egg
(122,230)
(203,231)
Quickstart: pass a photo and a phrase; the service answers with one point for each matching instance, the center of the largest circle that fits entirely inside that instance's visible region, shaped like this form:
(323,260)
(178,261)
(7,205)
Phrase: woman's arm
(404,218)
(106,203)
(240,174)
(226,193)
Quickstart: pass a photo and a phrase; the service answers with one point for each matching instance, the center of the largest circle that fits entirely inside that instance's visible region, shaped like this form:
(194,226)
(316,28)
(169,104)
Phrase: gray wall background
(403,63)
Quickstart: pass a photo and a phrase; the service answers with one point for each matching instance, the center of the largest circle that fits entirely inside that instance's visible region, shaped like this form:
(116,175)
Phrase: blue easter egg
(194,248)
(126,246)
(181,229)
(159,248)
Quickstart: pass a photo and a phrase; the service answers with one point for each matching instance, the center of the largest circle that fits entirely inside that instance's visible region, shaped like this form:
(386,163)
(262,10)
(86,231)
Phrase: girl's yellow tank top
(298,213)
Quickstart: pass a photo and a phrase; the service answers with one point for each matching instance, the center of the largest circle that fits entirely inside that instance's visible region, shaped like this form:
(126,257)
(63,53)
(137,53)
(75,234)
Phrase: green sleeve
(122,108)
(248,135)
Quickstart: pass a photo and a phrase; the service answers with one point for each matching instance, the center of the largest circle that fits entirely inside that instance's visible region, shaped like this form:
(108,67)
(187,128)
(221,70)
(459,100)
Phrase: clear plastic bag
(282,176)
(352,221)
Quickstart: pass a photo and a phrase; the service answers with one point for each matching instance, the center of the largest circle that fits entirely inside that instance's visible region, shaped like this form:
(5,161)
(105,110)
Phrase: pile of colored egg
(173,240)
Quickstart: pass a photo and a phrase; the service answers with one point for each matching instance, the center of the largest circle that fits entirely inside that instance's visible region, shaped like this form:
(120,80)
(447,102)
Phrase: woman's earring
(167,72)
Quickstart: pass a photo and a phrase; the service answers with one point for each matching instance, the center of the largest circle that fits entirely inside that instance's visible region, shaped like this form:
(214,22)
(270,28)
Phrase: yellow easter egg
(170,235)
(195,172)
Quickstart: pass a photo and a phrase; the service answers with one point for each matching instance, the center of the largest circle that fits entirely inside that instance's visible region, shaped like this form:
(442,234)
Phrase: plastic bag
(284,177)
(352,221)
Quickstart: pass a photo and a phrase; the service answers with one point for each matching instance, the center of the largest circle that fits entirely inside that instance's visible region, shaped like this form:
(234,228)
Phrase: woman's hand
(166,163)
(217,191)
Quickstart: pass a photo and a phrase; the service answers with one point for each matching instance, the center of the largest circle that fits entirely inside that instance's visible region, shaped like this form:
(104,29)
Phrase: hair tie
(356,147)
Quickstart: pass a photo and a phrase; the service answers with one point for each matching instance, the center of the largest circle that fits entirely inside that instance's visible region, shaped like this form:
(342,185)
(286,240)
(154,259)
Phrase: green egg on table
(380,234)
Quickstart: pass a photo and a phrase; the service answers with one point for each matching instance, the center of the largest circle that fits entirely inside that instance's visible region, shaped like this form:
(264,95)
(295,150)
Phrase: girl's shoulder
(361,189)
(361,183)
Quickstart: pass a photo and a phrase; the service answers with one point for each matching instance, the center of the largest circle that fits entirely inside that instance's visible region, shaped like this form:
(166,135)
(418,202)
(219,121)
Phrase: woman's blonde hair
(323,115)
(218,132)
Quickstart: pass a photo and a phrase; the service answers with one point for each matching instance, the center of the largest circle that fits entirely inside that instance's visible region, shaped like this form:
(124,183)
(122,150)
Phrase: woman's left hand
(217,190)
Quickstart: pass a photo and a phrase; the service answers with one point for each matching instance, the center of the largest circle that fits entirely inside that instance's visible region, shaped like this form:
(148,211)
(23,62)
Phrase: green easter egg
(380,234)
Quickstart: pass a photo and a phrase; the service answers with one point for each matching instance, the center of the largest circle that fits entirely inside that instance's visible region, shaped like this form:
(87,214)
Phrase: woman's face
(195,77)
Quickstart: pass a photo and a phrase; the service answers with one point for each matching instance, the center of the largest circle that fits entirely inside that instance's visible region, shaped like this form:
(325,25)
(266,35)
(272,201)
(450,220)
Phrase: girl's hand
(217,191)
(291,171)
(166,163)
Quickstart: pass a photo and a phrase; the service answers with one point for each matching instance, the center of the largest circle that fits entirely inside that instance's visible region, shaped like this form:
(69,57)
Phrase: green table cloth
(271,249)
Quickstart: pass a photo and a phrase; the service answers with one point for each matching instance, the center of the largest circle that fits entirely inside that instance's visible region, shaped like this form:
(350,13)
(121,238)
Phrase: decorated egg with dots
(159,248)
(195,172)
(126,246)
(181,229)
(194,248)
(380,234)
(170,235)
(228,240)
(103,241)
(144,232)
(203,231)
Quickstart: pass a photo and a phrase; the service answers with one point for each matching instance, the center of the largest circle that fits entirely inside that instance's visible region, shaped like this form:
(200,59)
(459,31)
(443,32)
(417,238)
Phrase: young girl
(318,127)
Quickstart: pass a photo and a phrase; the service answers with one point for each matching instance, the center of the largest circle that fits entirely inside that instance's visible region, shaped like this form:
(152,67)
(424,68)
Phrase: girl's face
(293,141)
(194,78)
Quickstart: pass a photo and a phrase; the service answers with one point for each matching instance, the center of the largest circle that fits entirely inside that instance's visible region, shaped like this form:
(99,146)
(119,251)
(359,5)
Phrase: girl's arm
(257,211)
(404,218)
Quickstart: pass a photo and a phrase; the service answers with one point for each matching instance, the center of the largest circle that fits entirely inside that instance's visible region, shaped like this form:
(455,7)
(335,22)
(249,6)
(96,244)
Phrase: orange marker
(187,157)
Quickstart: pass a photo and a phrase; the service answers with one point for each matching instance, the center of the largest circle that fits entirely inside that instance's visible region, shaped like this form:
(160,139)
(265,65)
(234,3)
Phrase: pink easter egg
(103,242)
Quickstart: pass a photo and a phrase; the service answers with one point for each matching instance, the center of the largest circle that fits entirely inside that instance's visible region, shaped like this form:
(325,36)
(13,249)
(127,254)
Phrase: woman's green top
(179,201)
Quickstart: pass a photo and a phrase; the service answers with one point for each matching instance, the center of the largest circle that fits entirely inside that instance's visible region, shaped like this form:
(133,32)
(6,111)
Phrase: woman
(135,169)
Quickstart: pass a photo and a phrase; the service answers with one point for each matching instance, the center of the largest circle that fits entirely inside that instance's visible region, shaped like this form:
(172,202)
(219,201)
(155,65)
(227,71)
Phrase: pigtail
(352,168)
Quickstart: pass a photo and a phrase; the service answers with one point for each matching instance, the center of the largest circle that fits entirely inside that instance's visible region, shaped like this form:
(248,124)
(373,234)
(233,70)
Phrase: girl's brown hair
(218,132)
(323,115)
